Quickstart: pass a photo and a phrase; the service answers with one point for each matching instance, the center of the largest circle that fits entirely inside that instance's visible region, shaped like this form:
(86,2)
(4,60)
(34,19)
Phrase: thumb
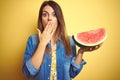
(39,32)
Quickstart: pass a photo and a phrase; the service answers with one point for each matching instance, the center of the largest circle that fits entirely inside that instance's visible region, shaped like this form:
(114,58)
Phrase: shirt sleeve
(28,69)
(75,68)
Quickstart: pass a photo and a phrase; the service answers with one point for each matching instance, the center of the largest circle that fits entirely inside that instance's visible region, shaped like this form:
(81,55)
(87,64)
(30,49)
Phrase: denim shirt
(66,66)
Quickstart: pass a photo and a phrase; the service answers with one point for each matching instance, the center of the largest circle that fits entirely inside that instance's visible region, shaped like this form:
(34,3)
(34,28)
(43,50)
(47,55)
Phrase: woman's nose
(50,18)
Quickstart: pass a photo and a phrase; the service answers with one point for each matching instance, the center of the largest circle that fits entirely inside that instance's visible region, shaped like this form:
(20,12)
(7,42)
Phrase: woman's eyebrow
(48,12)
(45,11)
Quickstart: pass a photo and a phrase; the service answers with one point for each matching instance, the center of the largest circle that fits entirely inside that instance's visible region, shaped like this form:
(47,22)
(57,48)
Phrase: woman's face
(48,15)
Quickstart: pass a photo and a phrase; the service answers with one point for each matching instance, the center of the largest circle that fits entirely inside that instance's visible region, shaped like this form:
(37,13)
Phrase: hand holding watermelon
(88,48)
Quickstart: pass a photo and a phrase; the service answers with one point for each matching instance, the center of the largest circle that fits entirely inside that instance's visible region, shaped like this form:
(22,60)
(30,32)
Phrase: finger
(90,48)
(50,29)
(53,31)
(47,27)
(96,47)
(39,32)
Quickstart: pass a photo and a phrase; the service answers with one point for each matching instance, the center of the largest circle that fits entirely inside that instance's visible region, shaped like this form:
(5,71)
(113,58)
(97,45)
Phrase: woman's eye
(44,14)
(54,15)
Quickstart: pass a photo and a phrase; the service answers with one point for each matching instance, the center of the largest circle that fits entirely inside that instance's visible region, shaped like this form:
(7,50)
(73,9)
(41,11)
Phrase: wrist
(80,51)
(42,44)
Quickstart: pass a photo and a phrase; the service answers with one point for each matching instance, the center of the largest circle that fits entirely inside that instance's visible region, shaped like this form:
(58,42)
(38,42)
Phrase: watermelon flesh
(90,38)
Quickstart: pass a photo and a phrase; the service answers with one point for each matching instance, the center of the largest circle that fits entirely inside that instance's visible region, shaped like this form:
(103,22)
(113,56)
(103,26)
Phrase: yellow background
(18,19)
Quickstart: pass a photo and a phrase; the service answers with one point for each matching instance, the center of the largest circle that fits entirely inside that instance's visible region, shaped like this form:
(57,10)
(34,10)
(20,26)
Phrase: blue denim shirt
(66,66)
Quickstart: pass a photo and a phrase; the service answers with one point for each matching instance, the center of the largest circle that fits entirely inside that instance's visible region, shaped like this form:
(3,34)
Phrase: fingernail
(96,47)
(90,48)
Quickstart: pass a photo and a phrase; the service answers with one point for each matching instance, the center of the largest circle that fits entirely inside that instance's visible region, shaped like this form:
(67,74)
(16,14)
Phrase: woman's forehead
(48,9)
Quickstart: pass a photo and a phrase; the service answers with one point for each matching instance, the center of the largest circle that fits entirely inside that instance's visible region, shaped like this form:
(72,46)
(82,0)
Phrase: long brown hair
(61,29)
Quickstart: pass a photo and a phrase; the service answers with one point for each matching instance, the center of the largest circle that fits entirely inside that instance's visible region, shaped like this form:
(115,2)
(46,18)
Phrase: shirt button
(48,78)
(49,65)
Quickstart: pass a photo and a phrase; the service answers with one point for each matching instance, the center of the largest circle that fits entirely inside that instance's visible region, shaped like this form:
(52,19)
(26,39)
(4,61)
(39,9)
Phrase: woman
(52,54)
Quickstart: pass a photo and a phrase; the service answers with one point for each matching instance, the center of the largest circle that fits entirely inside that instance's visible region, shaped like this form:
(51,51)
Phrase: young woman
(51,54)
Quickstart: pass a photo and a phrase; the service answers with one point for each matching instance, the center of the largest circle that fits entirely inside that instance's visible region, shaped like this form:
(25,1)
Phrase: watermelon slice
(90,38)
